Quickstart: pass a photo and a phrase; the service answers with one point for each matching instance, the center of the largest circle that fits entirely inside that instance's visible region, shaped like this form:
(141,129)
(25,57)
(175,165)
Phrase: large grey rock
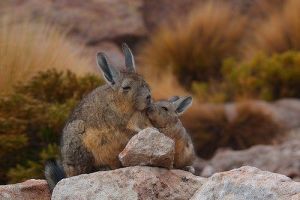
(129,183)
(248,183)
(283,159)
(28,190)
(149,147)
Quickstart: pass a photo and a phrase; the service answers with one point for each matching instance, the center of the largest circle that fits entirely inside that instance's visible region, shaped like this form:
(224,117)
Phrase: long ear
(129,59)
(182,104)
(173,98)
(109,72)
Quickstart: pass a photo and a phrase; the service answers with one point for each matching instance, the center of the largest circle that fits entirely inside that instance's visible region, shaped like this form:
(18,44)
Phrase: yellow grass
(279,33)
(27,47)
(193,48)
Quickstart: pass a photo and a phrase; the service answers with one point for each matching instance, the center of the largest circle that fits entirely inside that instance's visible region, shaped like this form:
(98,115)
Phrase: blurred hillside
(219,51)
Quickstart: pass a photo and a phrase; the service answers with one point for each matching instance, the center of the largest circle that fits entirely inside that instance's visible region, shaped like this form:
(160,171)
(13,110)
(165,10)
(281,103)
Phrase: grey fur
(102,123)
(173,99)
(109,72)
(164,116)
(129,58)
(182,104)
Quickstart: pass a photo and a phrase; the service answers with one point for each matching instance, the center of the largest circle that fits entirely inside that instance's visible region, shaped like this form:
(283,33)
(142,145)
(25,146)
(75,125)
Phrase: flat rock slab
(149,147)
(248,183)
(28,190)
(139,182)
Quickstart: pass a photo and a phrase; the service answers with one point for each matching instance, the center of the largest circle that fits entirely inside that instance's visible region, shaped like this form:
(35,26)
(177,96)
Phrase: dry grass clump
(279,32)
(261,9)
(206,125)
(211,127)
(193,48)
(252,125)
(27,47)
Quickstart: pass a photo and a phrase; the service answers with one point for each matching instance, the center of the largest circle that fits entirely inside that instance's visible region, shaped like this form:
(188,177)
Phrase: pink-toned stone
(132,183)
(248,183)
(29,190)
(149,147)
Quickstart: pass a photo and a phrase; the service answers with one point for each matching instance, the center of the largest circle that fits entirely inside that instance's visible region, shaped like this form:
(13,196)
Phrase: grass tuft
(27,47)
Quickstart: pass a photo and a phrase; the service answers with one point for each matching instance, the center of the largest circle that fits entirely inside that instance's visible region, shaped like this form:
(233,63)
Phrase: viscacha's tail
(54,172)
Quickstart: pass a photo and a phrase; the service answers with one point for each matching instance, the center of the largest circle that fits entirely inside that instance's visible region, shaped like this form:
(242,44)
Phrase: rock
(93,21)
(31,189)
(100,25)
(158,12)
(283,159)
(149,147)
(139,182)
(199,164)
(248,183)
(113,52)
(285,111)
(288,112)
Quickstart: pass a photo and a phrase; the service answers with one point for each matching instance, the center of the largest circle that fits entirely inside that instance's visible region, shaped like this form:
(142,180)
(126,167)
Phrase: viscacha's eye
(165,108)
(126,88)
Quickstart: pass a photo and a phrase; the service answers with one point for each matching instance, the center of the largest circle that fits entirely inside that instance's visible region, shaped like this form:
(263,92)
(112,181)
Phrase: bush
(279,32)
(194,48)
(27,47)
(264,77)
(211,128)
(32,118)
(206,125)
(252,125)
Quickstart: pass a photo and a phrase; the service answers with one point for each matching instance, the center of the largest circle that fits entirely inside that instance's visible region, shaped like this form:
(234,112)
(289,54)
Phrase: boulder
(149,147)
(248,183)
(139,182)
(283,159)
(29,190)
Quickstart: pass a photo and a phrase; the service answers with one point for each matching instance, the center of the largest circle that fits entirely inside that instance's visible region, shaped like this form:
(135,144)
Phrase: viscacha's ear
(110,74)
(129,58)
(173,98)
(182,104)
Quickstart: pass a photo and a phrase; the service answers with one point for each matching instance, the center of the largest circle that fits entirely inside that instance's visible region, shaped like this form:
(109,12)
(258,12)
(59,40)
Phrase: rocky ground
(139,181)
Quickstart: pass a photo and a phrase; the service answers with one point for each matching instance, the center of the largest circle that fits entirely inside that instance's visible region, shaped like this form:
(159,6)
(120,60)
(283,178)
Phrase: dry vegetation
(27,47)
(279,32)
(193,48)
(211,127)
(202,50)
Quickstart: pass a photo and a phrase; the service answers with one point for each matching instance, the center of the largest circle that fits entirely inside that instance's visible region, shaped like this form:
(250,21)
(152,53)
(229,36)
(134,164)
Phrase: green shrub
(32,118)
(267,78)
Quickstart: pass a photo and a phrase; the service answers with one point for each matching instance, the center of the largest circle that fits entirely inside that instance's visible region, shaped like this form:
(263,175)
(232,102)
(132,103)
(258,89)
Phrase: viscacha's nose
(148,98)
(150,109)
